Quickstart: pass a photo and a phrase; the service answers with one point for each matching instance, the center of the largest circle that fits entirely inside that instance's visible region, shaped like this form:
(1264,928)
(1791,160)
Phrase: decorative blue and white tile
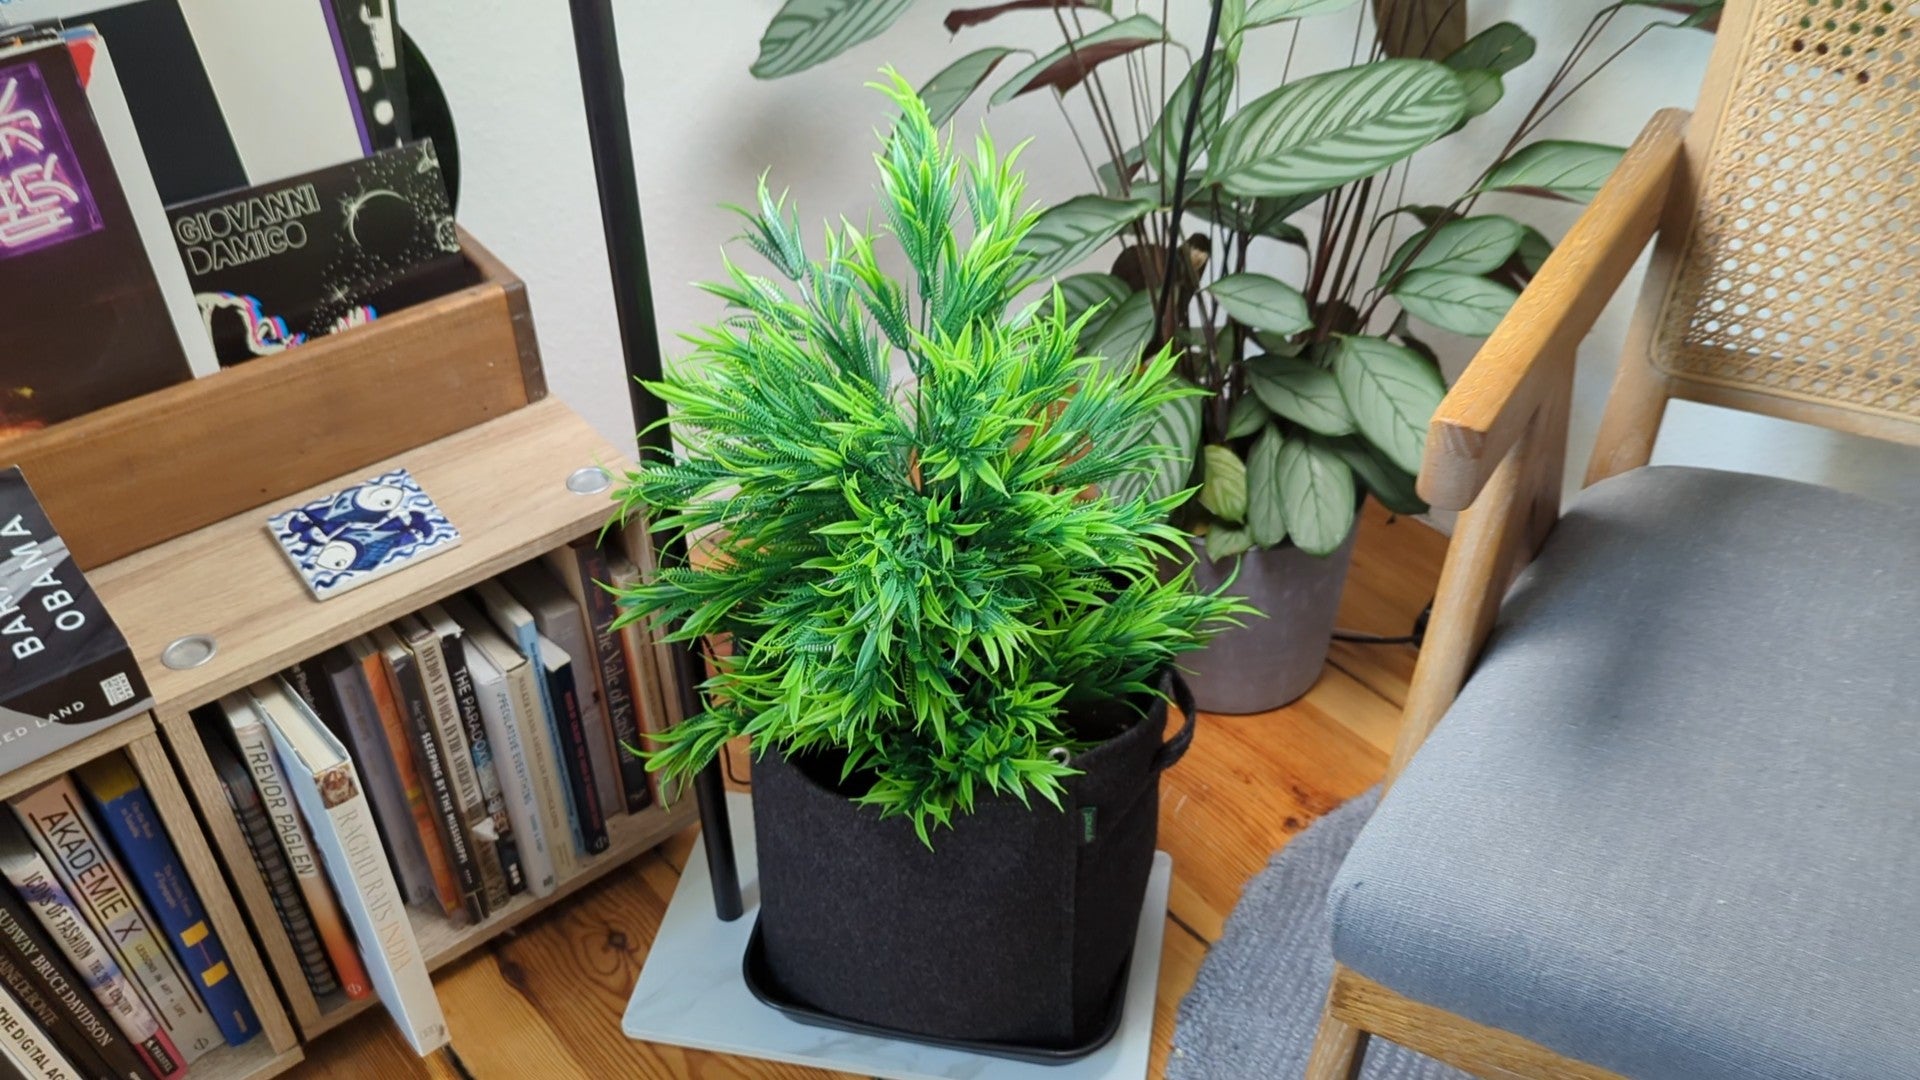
(362,533)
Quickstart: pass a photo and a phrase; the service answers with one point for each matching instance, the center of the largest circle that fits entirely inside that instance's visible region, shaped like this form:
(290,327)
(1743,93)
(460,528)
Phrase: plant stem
(1161,309)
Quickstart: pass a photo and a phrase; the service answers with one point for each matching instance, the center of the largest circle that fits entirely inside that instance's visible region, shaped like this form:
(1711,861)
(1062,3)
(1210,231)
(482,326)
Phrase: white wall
(703,129)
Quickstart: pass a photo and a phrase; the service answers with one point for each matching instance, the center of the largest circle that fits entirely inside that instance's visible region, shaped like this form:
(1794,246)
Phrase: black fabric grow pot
(1014,932)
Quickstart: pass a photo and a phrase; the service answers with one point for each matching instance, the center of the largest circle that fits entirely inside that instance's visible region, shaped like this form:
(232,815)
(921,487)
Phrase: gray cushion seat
(1672,824)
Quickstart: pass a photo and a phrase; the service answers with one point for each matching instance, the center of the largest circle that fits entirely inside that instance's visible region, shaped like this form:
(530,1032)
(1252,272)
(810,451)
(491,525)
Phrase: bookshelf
(163,501)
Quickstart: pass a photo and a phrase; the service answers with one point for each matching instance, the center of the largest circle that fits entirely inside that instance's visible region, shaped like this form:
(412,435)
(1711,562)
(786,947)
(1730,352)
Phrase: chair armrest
(1484,414)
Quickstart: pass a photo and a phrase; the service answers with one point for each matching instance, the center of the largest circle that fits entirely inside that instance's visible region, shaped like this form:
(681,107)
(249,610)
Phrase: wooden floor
(546,1000)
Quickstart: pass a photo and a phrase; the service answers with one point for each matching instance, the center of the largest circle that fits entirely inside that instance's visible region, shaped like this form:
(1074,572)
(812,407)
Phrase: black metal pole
(604,90)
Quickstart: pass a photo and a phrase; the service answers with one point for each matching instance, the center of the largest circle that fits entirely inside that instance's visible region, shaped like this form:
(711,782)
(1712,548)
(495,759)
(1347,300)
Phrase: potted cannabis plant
(1318,384)
(950,651)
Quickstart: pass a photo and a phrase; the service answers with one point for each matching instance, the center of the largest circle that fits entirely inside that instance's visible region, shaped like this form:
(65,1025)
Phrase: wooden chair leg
(1339,1049)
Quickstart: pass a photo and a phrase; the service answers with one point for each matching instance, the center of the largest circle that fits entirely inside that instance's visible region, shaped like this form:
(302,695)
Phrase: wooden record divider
(163,500)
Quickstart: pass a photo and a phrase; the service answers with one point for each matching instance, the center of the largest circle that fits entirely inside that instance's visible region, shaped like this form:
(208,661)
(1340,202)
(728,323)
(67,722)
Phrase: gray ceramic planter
(1272,661)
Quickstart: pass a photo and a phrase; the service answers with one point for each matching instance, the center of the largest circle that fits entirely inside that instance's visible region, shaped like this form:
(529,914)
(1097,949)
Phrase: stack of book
(448,762)
(108,965)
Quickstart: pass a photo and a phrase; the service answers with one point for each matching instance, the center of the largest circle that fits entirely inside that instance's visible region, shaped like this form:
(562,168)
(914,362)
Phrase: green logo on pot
(1088,815)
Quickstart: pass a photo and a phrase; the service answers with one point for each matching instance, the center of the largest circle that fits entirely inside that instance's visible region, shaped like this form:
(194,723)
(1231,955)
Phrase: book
(342,697)
(65,670)
(26,1046)
(90,324)
(32,997)
(581,567)
(449,732)
(27,947)
(122,805)
(328,789)
(515,622)
(512,766)
(473,725)
(527,737)
(645,654)
(33,880)
(573,743)
(246,724)
(562,619)
(362,533)
(439,889)
(111,110)
(263,842)
(410,695)
(60,825)
(280,264)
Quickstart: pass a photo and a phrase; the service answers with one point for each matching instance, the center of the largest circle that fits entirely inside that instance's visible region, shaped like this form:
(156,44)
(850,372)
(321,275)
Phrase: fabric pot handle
(1175,748)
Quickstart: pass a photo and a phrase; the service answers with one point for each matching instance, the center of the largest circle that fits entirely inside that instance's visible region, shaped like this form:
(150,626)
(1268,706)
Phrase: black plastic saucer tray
(761,984)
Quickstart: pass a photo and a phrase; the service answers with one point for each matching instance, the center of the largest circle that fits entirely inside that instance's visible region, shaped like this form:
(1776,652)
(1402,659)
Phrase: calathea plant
(1318,386)
(913,574)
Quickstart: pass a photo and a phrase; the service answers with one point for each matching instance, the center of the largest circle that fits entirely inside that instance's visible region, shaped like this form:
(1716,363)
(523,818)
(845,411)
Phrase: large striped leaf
(1175,431)
(1565,170)
(1325,130)
(1303,392)
(1262,302)
(1162,147)
(1392,392)
(1266,511)
(1265,12)
(1316,487)
(1388,483)
(1065,67)
(1224,487)
(947,91)
(1475,245)
(1461,303)
(1124,335)
(1082,291)
(808,32)
(1499,48)
(1076,228)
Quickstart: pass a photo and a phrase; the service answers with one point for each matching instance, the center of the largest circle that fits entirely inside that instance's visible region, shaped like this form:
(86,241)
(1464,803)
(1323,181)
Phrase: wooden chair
(1785,280)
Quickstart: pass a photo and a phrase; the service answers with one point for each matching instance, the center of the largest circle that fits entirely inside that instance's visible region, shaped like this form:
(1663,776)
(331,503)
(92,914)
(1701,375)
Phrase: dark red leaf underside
(964,17)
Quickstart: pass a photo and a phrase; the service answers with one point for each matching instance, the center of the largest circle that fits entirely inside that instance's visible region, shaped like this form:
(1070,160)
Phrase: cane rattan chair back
(1796,290)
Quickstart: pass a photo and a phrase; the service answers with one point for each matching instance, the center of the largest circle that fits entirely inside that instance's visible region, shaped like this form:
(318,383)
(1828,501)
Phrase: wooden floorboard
(546,999)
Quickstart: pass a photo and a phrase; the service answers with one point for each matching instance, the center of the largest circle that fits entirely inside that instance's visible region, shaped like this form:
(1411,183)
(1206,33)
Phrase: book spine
(61,826)
(61,984)
(637,641)
(33,879)
(32,997)
(543,762)
(439,786)
(345,832)
(131,820)
(270,778)
(458,759)
(573,738)
(388,697)
(27,1046)
(365,735)
(466,701)
(616,685)
(257,827)
(514,772)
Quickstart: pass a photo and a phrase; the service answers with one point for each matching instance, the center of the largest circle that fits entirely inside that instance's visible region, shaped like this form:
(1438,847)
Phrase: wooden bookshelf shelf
(501,483)
(163,501)
(253,1060)
(443,941)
